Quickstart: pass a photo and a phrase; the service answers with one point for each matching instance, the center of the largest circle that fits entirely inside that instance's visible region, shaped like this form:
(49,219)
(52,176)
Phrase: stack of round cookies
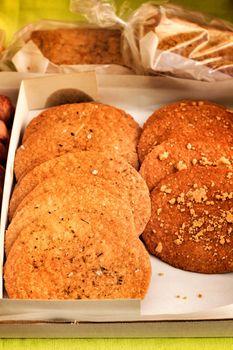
(78,208)
(186,155)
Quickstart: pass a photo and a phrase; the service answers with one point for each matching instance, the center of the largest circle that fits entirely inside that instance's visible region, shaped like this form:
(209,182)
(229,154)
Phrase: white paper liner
(176,291)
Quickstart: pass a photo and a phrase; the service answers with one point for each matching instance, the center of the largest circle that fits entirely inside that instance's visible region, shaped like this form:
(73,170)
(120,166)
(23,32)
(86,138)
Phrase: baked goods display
(77,214)
(104,219)
(186,150)
(80,45)
(79,205)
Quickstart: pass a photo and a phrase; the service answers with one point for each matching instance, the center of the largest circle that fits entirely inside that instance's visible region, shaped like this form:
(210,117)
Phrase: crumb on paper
(178,296)
(160,274)
(199,295)
(75,322)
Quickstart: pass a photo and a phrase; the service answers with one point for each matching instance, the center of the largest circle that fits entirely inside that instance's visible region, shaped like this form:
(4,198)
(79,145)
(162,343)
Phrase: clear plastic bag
(155,40)
(166,39)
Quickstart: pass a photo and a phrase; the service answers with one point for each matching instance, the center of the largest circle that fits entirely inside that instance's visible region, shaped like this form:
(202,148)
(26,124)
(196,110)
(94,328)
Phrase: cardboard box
(160,314)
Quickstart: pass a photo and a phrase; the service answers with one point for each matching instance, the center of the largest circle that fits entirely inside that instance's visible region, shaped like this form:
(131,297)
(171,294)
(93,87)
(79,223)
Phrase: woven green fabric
(13,15)
(118,344)
(16,13)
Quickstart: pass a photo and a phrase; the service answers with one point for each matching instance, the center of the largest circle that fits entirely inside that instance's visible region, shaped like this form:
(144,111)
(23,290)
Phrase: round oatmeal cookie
(55,183)
(180,154)
(92,164)
(177,106)
(77,127)
(184,118)
(191,225)
(76,258)
(70,194)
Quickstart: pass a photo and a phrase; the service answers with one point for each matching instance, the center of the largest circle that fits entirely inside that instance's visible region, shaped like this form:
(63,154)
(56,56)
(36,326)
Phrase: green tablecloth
(14,14)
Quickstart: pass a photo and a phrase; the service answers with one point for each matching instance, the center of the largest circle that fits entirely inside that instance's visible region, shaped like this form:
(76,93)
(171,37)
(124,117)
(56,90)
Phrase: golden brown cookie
(92,164)
(192,220)
(66,194)
(77,127)
(78,182)
(76,258)
(184,118)
(179,154)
